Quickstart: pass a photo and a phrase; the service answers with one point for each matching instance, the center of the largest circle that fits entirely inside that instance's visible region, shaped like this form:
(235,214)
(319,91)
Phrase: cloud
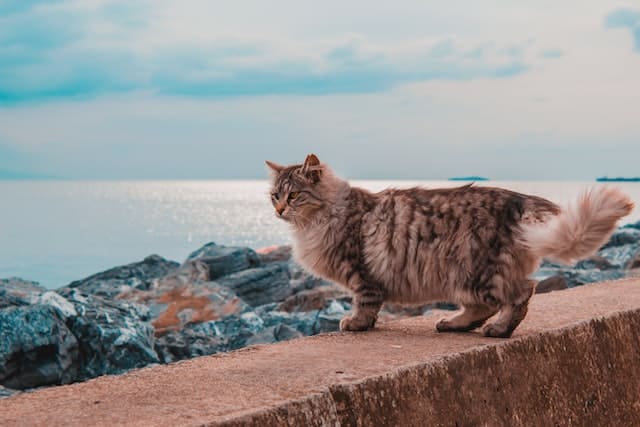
(625,18)
(552,53)
(62,50)
(14,6)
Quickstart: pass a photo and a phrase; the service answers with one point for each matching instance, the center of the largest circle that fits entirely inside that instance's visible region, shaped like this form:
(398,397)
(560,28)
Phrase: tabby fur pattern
(473,246)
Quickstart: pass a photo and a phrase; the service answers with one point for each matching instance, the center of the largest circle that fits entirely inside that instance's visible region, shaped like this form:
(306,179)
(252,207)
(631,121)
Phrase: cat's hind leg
(472,317)
(366,305)
(510,316)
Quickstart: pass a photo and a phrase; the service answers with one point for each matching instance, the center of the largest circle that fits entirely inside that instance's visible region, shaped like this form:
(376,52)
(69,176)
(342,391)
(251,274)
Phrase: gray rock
(635,225)
(623,237)
(224,260)
(553,283)
(550,264)
(7,392)
(301,280)
(36,347)
(16,292)
(275,254)
(329,318)
(211,337)
(314,299)
(285,333)
(582,277)
(620,255)
(138,275)
(191,341)
(274,334)
(595,261)
(258,286)
(114,336)
(306,322)
(634,262)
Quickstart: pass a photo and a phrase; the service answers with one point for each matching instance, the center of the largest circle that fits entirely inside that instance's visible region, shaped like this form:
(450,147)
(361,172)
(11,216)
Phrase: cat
(473,246)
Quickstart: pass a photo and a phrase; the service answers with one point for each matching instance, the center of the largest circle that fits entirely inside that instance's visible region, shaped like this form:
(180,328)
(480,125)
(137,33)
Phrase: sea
(55,232)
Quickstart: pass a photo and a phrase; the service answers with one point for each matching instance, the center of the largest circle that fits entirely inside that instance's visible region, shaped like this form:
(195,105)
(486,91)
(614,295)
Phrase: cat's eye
(293,195)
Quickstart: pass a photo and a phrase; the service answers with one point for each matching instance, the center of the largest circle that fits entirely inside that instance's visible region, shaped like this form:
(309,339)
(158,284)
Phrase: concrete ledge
(575,360)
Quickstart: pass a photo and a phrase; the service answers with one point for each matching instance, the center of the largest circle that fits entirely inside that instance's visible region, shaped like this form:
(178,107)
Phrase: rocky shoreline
(219,299)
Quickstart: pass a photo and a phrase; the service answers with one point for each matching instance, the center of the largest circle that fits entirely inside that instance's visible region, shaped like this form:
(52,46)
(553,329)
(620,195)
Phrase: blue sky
(153,89)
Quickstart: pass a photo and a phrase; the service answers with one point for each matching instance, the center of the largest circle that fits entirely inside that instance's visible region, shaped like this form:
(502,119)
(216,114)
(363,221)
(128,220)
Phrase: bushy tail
(581,228)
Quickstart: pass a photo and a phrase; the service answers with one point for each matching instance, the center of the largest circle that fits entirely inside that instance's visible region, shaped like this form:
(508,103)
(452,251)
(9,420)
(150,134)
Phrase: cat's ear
(274,168)
(311,167)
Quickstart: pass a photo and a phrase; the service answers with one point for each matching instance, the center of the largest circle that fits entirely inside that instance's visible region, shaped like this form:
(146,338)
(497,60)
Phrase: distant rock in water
(468,178)
(219,299)
(618,179)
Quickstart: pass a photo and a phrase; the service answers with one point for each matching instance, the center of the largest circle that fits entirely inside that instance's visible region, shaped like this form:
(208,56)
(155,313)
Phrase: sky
(410,89)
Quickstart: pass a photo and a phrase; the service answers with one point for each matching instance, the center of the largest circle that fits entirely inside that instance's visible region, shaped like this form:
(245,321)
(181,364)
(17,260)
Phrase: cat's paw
(496,331)
(444,325)
(356,324)
(448,325)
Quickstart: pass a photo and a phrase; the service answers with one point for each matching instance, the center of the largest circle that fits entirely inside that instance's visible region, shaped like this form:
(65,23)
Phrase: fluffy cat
(474,246)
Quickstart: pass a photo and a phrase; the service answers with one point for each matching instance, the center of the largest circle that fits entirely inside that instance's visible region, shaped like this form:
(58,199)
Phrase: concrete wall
(575,361)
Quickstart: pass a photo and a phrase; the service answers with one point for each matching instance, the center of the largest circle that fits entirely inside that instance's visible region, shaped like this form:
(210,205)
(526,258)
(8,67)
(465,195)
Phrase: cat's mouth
(283,216)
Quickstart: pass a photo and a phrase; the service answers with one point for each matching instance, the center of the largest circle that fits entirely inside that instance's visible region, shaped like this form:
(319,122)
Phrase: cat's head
(298,192)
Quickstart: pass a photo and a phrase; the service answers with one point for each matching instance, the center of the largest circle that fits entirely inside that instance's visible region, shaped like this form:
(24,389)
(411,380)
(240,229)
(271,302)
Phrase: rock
(553,283)
(300,280)
(620,255)
(7,392)
(188,273)
(210,337)
(580,277)
(274,254)
(56,300)
(36,347)
(285,333)
(137,276)
(311,322)
(274,334)
(329,318)
(576,277)
(446,306)
(173,305)
(114,336)
(258,286)
(549,264)
(635,225)
(224,260)
(191,341)
(15,292)
(595,261)
(623,237)
(313,299)
(634,262)
(306,322)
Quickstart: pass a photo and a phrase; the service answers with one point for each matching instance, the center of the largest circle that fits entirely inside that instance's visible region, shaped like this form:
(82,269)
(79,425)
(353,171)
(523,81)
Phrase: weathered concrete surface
(575,360)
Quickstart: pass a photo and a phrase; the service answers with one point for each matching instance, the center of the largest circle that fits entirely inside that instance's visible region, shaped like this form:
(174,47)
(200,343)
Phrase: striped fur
(474,246)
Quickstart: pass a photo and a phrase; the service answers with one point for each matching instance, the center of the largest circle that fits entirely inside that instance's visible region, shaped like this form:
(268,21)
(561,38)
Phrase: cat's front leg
(366,305)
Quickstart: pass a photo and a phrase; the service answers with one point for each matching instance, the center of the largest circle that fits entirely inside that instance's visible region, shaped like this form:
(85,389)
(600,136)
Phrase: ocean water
(55,232)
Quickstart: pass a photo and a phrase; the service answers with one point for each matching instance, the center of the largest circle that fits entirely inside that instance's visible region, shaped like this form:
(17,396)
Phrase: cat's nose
(279,209)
